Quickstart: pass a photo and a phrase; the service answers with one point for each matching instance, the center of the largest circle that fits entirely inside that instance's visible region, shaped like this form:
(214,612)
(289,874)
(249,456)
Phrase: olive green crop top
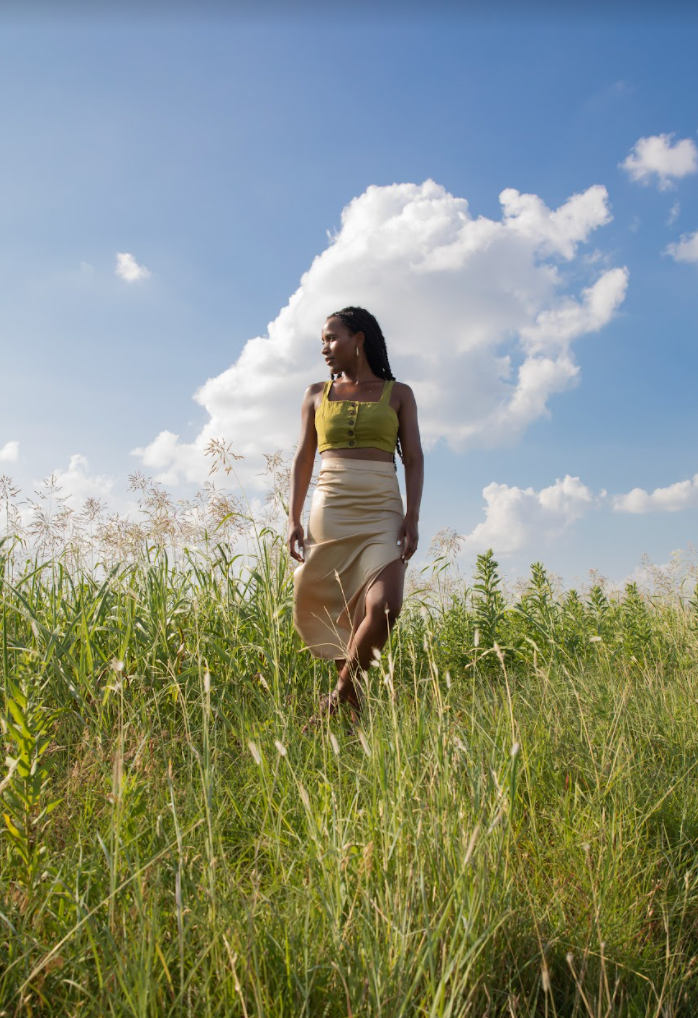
(353,424)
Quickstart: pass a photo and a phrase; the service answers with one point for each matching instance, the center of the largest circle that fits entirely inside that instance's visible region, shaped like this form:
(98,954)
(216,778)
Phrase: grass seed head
(262,681)
(545,978)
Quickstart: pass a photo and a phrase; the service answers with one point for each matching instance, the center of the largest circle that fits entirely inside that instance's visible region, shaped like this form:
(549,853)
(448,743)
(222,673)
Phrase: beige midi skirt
(355,517)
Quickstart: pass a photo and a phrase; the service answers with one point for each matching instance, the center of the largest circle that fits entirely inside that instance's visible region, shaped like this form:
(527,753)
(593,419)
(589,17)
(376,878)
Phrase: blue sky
(219,153)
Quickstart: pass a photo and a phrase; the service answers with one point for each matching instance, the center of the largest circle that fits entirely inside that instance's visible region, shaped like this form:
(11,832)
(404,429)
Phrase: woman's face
(339,344)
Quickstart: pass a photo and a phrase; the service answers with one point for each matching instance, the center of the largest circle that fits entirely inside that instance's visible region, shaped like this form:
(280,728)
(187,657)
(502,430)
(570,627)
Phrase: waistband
(351,465)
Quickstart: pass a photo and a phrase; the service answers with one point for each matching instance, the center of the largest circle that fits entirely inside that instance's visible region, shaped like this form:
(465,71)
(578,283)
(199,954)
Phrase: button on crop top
(353,424)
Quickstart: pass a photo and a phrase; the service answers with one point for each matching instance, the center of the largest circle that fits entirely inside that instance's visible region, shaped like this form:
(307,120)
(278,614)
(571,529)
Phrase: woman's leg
(382,607)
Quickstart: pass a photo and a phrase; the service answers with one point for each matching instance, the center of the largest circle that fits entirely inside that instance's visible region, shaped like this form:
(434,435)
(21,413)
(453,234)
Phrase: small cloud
(634,224)
(674,213)
(622,87)
(684,250)
(518,518)
(128,269)
(9,452)
(86,269)
(609,94)
(658,157)
(77,483)
(672,499)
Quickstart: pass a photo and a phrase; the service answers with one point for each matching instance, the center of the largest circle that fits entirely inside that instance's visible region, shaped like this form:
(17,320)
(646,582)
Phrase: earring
(357,351)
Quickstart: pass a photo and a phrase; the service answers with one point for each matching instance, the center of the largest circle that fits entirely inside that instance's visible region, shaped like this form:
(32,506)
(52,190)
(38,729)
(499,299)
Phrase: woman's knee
(384,598)
(384,610)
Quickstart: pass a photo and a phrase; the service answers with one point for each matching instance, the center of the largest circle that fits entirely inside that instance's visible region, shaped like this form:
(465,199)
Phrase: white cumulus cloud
(673,498)
(685,249)
(477,313)
(518,518)
(660,157)
(9,453)
(128,269)
(559,231)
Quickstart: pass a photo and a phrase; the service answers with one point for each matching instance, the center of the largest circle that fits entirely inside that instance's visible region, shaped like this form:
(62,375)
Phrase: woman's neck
(358,377)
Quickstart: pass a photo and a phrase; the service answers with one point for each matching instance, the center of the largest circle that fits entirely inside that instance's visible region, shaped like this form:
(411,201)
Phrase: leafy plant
(489,607)
(693,605)
(599,611)
(539,609)
(27,727)
(636,626)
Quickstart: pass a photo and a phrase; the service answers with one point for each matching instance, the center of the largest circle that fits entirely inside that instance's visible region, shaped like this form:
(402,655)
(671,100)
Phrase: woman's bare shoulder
(311,394)
(403,392)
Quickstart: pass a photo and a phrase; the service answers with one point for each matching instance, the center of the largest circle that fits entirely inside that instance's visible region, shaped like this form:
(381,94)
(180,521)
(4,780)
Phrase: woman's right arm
(301,473)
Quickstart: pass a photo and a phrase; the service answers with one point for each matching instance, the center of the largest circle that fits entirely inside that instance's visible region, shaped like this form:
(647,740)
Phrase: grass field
(511,831)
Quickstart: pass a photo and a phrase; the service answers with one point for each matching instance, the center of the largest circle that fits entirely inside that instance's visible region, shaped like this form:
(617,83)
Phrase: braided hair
(360,320)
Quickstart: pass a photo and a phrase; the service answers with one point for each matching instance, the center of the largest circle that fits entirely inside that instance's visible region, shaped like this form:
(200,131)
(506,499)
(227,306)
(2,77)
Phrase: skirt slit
(355,516)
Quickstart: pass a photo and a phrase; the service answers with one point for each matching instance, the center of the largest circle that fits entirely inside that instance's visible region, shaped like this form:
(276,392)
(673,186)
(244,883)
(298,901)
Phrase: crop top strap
(387,389)
(326,391)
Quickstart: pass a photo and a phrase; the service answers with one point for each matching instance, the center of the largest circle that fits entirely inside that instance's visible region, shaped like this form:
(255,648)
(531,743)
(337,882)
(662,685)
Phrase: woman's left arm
(413,459)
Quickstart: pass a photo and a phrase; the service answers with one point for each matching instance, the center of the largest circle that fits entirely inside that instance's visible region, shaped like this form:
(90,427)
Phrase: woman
(348,590)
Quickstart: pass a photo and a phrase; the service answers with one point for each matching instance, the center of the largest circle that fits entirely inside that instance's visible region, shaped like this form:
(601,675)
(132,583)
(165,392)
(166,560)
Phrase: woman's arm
(413,459)
(301,473)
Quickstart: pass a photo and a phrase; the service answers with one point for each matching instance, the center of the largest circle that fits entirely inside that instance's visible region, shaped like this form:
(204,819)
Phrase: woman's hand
(408,538)
(294,536)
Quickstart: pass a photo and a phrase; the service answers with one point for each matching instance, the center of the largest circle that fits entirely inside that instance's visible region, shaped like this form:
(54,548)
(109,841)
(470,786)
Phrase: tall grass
(511,830)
